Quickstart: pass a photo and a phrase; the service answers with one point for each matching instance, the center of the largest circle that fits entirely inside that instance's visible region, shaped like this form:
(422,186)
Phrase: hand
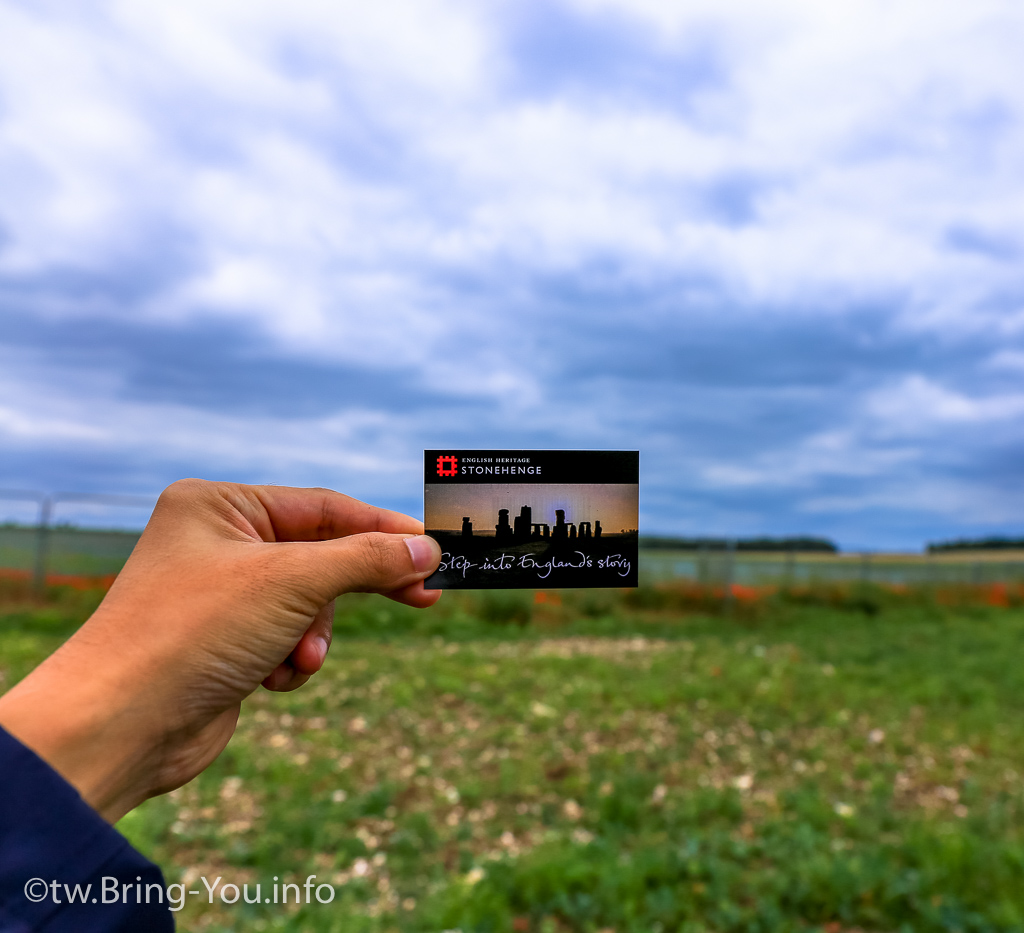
(230,586)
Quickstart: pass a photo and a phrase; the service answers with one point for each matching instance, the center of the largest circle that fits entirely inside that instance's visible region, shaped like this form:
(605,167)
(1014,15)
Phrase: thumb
(372,562)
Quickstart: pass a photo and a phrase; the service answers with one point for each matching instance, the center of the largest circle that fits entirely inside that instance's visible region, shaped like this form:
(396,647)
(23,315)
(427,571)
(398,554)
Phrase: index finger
(294,514)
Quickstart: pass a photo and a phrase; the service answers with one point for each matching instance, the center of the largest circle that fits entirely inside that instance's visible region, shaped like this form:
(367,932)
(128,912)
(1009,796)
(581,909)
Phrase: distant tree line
(797,543)
(977,544)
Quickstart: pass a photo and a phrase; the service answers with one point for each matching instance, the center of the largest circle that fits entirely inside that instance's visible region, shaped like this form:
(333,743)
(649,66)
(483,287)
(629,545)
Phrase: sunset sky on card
(613,505)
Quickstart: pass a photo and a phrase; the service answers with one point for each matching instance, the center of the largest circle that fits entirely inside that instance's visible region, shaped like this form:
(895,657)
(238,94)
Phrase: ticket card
(532,519)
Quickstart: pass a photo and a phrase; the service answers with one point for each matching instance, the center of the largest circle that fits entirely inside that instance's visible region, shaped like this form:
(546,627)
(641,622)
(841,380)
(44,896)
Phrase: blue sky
(776,246)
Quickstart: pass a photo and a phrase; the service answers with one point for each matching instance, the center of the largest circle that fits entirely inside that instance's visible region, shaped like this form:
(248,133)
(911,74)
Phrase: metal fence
(79,551)
(757,569)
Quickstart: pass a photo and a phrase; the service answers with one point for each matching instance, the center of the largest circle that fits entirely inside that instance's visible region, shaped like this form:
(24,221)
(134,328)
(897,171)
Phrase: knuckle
(183,490)
(326,525)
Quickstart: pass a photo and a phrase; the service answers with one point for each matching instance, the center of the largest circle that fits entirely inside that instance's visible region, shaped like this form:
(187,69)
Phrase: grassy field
(821,759)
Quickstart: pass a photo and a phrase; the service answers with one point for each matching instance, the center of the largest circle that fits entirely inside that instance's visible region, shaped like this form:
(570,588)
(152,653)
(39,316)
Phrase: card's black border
(529,467)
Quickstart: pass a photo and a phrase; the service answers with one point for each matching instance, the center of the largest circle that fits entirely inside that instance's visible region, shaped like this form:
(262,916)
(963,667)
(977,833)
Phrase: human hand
(230,586)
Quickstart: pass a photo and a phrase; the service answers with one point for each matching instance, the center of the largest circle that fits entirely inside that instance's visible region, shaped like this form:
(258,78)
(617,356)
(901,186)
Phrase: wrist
(86,729)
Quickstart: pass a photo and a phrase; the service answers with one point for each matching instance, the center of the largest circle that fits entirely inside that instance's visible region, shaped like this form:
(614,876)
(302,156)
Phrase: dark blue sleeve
(50,836)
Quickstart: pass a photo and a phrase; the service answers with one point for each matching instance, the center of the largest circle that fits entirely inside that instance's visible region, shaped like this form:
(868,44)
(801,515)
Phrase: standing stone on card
(524,523)
(503,530)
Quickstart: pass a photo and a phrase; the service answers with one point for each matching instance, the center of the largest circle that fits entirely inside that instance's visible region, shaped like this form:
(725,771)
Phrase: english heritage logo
(447,466)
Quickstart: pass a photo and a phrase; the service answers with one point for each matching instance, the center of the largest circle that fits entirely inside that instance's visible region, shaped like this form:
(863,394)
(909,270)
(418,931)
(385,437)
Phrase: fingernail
(320,645)
(425,553)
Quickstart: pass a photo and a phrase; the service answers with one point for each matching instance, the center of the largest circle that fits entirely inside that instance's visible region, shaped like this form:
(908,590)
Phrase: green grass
(825,759)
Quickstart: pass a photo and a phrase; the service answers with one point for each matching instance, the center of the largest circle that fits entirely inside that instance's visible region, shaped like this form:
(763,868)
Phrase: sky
(776,246)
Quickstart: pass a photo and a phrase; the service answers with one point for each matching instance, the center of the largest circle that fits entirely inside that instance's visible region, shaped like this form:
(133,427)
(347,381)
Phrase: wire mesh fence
(48,548)
(796,569)
(69,551)
(45,548)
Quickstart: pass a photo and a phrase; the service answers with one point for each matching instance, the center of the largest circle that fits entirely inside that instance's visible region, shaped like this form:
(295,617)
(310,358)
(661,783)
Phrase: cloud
(772,245)
(918,404)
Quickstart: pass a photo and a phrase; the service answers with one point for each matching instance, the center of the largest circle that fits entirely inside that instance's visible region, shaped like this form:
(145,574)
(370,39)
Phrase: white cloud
(1011,360)
(974,505)
(918,404)
(20,425)
(832,455)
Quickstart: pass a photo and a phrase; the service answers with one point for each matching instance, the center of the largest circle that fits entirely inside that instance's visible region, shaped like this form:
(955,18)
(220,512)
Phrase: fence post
(730,568)
(42,545)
